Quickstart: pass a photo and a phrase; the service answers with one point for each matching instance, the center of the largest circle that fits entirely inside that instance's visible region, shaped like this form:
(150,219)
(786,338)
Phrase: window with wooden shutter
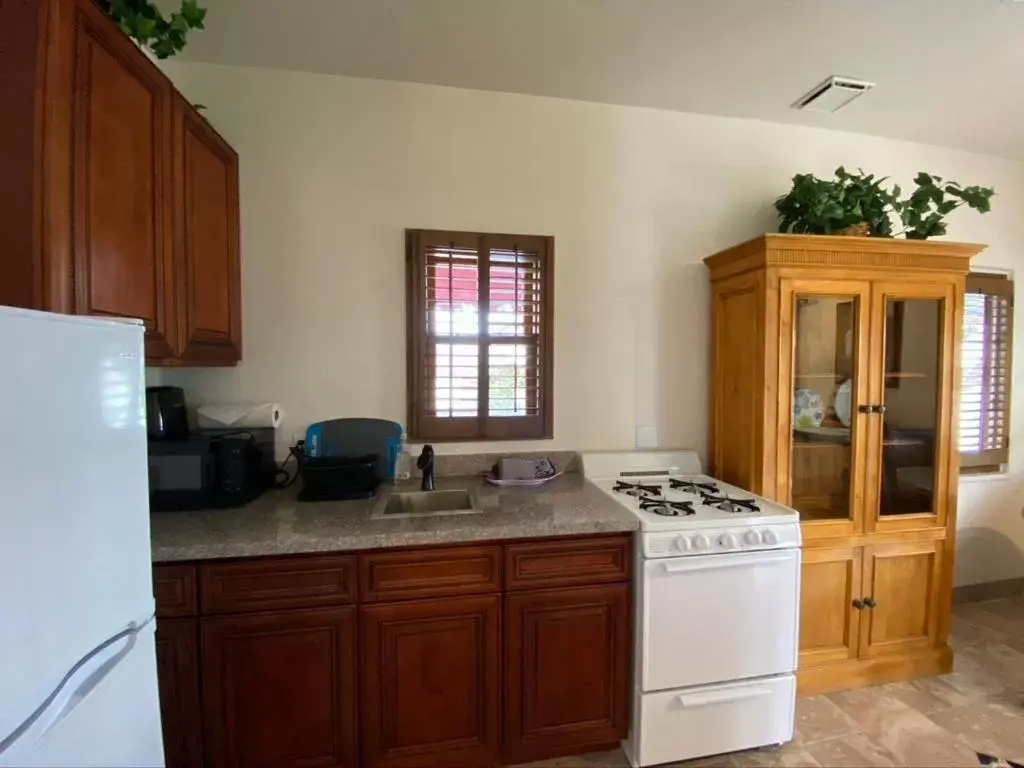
(480,335)
(985,360)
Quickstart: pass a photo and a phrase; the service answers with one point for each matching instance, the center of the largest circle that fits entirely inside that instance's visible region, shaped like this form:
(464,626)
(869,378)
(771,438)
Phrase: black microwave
(207,472)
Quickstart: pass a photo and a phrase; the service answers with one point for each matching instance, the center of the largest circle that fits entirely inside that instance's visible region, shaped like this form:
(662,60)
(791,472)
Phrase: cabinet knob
(859,604)
(870,602)
(871,408)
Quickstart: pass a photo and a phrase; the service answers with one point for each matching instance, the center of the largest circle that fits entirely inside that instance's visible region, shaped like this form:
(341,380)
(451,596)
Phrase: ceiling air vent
(833,94)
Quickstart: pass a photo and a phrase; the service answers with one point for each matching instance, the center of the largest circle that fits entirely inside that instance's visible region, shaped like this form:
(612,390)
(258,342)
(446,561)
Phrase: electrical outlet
(646,436)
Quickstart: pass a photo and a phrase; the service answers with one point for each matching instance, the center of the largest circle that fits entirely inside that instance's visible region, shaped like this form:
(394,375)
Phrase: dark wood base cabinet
(279,689)
(477,655)
(568,671)
(431,683)
(177,660)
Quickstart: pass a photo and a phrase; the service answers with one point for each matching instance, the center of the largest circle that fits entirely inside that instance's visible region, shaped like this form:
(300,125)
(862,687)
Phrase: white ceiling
(949,72)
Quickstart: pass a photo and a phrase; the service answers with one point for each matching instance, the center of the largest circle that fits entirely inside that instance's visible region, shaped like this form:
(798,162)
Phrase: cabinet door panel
(913,460)
(123,264)
(903,581)
(207,220)
(823,367)
(279,689)
(431,683)
(830,580)
(177,665)
(738,310)
(567,662)
(174,589)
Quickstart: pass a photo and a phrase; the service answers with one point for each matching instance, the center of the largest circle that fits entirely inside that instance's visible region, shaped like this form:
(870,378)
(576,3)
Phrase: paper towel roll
(239,415)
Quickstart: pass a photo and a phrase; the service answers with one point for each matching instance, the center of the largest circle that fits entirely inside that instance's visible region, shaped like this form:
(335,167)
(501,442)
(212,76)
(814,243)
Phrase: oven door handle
(682,566)
(726,697)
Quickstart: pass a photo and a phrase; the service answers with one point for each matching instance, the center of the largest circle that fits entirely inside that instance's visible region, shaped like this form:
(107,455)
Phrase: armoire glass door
(829,330)
(916,335)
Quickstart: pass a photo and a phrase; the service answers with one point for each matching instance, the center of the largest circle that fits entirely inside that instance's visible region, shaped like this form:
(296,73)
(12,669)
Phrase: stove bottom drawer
(683,724)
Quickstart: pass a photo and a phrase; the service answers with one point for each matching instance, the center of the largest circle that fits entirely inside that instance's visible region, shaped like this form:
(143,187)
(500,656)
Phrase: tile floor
(938,721)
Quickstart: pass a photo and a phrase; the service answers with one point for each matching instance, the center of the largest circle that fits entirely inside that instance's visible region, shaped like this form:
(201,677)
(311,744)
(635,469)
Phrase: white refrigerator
(78,684)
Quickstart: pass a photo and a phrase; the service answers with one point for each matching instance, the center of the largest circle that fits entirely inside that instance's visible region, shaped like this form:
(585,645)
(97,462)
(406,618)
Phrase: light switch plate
(646,436)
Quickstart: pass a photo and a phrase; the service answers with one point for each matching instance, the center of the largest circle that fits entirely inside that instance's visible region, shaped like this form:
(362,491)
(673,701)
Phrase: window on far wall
(480,337)
(985,360)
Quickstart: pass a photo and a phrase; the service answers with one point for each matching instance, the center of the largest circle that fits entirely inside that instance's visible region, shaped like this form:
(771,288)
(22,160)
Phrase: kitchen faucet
(426,463)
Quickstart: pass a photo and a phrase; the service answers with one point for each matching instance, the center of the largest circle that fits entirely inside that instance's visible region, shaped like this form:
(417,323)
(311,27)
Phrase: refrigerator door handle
(87,673)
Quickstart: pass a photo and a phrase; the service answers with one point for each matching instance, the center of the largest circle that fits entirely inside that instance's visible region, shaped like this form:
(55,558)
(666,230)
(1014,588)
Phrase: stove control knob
(683,544)
(701,542)
(727,541)
(771,538)
(753,538)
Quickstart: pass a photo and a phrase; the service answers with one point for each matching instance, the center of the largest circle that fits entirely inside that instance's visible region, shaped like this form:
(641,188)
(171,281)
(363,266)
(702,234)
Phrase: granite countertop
(278,524)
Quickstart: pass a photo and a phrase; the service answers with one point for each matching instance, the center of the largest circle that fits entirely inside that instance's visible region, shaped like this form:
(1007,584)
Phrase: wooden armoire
(834,378)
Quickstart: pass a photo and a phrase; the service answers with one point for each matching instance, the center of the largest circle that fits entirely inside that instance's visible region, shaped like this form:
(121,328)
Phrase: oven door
(716,618)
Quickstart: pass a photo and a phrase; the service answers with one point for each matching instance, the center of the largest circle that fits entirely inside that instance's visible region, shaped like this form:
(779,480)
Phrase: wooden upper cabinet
(116,198)
(121,123)
(206,241)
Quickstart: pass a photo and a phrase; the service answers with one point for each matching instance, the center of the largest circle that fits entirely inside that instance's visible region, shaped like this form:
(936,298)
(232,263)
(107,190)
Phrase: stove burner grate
(692,486)
(636,489)
(728,504)
(667,508)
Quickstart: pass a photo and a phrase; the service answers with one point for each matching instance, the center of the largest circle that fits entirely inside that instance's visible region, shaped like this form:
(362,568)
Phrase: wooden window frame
(421,425)
(992,461)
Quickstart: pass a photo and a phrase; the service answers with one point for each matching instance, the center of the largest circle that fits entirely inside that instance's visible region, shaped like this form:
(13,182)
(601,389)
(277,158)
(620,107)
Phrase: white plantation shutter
(479,335)
(985,361)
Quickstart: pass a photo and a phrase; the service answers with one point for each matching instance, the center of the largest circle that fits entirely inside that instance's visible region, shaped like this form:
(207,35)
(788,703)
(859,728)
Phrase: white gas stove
(717,599)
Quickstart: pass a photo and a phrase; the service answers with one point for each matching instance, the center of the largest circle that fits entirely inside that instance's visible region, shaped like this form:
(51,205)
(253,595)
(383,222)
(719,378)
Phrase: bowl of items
(808,408)
(519,472)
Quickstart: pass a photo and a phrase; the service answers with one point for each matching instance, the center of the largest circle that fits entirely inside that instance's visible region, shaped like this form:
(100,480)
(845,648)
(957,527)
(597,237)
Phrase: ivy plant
(147,25)
(933,199)
(824,207)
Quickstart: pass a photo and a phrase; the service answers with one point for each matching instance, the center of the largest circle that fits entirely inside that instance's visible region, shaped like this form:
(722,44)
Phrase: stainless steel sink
(428,504)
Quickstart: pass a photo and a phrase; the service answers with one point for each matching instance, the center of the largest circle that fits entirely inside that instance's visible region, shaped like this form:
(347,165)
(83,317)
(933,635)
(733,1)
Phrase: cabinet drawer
(598,560)
(430,573)
(278,583)
(174,589)
(709,716)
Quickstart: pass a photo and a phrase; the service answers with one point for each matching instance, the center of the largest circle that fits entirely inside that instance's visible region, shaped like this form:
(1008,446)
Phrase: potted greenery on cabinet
(859,204)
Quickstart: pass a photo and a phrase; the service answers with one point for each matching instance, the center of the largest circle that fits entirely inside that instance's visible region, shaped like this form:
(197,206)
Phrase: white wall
(333,169)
